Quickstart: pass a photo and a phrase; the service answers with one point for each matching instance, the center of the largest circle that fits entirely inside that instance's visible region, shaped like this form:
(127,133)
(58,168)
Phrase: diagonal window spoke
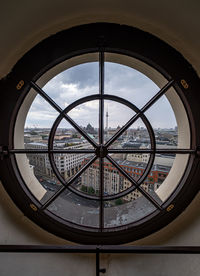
(104,149)
(150,198)
(123,129)
(134,183)
(116,114)
(81,171)
(46,97)
(68,184)
(139,114)
(86,116)
(157,96)
(67,117)
(80,130)
(56,195)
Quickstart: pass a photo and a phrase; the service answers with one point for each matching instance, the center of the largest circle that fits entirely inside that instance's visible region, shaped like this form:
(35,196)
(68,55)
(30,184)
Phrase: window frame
(77,41)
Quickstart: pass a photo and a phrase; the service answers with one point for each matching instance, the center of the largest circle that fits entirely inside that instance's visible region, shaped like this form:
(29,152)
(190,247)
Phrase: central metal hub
(101,151)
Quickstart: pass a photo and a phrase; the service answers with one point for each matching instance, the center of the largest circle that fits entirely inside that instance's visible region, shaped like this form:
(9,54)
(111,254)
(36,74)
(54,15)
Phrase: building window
(105,129)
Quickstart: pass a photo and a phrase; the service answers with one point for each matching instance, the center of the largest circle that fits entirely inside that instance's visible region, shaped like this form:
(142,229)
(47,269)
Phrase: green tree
(84,188)
(118,201)
(91,190)
(33,133)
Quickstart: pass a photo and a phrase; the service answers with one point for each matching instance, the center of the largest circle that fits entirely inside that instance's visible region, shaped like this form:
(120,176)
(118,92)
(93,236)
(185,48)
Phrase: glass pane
(90,179)
(86,115)
(38,175)
(128,83)
(74,83)
(76,209)
(135,169)
(69,165)
(39,121)
(164,124)
(113,180)
(116,115)
(135,137)
(66,136)
(161,168)
(127,209)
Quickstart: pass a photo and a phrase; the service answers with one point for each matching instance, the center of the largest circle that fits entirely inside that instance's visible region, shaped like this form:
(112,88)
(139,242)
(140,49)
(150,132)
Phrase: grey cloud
(82,80)
(82,75)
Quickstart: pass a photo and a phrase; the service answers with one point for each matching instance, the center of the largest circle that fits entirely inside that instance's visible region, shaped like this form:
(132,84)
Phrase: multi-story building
(67,164)
(160,159)
(115,182)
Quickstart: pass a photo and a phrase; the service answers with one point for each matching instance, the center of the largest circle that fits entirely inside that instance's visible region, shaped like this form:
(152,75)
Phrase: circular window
(102,145)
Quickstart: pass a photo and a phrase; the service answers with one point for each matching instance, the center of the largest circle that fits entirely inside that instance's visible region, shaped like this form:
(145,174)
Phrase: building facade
(115,182)
(67,164)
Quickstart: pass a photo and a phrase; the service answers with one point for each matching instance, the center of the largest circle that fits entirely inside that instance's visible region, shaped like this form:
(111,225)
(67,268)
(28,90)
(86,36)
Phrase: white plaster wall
(23,24)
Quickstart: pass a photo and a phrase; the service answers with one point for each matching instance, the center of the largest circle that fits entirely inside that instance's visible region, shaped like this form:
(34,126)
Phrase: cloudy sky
(82,80)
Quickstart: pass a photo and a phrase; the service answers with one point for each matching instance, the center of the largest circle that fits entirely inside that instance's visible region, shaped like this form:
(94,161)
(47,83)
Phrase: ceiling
(24,23)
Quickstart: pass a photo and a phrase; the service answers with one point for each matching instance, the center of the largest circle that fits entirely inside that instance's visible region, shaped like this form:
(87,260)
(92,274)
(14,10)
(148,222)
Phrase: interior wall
(22,25)
(17,229)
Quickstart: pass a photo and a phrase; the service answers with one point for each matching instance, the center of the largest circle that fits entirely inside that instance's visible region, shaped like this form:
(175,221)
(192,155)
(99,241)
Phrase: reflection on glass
(126,209)
(76,209)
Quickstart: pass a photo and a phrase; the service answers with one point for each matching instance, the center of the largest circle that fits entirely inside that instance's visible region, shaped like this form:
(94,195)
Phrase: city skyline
(82,80)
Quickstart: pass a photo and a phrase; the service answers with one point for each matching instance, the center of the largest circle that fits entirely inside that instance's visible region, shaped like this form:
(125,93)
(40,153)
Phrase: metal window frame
(80,40)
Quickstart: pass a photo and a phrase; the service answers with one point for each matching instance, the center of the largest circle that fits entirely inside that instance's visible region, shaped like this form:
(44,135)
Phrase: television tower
(107,123)
(107,120)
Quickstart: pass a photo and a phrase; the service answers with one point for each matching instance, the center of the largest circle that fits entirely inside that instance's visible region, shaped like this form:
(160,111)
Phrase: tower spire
(107,124)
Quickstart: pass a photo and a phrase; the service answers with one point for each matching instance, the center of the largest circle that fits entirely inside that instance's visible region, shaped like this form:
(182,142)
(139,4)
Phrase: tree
(84,188)
(91,190)
(33,133)
(118,201)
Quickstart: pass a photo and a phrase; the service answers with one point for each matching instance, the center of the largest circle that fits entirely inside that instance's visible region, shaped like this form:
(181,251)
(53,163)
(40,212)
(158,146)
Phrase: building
(67,164)
(115,182)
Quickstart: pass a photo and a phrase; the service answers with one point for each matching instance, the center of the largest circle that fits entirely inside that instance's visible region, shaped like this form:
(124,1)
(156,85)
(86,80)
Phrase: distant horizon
(82,80)
(38,128)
